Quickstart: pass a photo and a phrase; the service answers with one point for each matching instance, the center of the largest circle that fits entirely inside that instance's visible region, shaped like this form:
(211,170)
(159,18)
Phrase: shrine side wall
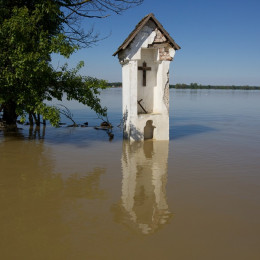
(161,94)
(129,98)
(125,98)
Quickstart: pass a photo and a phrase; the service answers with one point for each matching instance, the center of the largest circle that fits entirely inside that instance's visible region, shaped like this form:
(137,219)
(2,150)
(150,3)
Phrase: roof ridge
(138,28)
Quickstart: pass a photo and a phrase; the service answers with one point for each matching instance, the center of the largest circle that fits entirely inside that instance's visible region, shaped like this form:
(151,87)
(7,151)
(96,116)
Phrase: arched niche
(145,92)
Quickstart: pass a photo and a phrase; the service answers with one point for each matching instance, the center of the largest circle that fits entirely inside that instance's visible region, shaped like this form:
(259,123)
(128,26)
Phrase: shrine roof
(138,28)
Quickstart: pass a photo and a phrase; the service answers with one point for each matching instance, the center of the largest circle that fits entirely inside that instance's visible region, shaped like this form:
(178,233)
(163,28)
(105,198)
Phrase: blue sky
(220,41)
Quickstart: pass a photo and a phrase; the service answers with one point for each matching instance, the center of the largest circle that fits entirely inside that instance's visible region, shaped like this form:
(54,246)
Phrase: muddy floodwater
(70,193)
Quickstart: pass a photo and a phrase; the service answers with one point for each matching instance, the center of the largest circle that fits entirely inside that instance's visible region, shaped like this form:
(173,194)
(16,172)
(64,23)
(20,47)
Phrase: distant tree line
(115,84)
(199,86)
(195,86)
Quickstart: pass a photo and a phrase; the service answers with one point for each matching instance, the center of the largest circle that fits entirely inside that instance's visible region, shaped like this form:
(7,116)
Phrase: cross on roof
(144,69)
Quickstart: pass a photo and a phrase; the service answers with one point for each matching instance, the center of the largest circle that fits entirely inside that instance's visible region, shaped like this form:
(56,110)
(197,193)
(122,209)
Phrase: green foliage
(28,36)
(84,89)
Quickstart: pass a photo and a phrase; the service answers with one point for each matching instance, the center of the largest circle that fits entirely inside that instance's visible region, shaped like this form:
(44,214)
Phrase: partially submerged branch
(106,125)
(105,120)
(67,113)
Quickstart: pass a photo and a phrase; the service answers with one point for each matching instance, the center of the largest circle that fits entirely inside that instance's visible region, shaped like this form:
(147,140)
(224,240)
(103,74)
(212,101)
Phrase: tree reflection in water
(39,204)
(143,206)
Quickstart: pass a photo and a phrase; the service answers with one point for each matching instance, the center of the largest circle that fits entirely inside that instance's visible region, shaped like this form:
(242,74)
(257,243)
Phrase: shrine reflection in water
(143,206)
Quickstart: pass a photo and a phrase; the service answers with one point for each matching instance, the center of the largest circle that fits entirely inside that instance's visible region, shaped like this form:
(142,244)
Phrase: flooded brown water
(72,194)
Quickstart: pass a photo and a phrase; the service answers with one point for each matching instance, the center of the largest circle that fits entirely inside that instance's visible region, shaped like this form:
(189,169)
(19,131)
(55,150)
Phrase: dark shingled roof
(138,28)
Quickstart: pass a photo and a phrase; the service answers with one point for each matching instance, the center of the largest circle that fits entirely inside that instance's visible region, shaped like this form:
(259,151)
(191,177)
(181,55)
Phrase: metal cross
(144,69)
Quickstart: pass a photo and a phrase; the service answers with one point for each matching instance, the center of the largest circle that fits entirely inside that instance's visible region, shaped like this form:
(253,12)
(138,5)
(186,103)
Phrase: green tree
(30,31)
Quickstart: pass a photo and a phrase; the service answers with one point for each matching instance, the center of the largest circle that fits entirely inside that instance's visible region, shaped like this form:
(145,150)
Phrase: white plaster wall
(136,127)
(129,94)
(142,40)
(153,94)
(134,123)
(160,123)
(162,81)
(126,97)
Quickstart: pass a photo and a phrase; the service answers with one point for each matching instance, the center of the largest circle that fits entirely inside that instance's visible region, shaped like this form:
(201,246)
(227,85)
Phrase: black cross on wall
(144,69)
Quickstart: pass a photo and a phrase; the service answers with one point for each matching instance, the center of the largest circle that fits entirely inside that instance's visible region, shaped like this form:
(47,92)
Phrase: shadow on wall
(133,131)
(137,43)
(125,116)
(148,130)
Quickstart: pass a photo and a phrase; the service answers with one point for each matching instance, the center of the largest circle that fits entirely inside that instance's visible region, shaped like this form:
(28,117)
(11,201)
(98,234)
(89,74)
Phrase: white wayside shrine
(145,57)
